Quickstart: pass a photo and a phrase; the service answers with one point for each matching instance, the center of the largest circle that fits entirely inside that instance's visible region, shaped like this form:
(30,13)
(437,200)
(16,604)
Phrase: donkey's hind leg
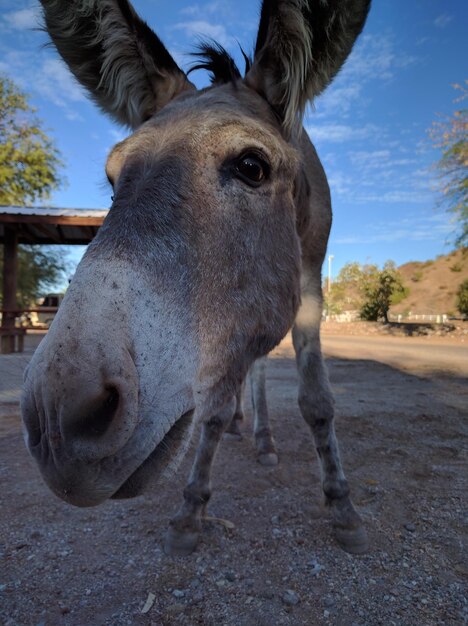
(264,442)
(184,529)
(233,431)
(317,408)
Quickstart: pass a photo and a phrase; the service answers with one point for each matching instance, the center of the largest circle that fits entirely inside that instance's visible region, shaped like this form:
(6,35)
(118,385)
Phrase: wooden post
(10,279)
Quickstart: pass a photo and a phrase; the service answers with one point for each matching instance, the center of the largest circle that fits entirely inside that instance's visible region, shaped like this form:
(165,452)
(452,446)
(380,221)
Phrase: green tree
(381,289)
(462,298)
(29,161)
(40,268)
(345,291)
(29,165)
(450,134)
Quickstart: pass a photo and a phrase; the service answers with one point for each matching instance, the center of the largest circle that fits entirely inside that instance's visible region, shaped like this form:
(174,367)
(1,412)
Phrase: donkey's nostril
(99,415)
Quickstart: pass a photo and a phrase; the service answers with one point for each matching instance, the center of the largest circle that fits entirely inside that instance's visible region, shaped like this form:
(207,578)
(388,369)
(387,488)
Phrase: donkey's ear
(115,55)
(301,45)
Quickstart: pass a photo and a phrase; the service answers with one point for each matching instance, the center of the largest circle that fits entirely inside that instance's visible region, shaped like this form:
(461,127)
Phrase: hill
(433,284)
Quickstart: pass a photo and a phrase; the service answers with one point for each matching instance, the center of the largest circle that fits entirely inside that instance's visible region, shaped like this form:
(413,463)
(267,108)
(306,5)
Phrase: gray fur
(301,47)
(196,274)
(107,57)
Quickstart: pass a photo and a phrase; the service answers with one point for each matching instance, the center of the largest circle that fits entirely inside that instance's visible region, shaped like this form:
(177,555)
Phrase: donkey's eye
(252,169)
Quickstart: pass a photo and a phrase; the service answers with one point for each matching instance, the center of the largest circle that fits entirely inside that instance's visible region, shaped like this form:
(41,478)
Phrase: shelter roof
(47,225)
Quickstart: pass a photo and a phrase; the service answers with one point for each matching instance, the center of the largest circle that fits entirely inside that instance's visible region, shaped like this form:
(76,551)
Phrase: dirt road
(401,421)
(411,354)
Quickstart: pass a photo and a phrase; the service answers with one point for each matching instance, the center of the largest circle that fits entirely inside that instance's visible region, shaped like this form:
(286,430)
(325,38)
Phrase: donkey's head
(195,271)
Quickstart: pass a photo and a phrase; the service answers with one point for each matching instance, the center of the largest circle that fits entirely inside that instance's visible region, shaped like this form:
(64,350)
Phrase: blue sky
(370,127)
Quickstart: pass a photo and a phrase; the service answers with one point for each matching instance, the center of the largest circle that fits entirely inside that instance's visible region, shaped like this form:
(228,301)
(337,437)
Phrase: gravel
(403,453)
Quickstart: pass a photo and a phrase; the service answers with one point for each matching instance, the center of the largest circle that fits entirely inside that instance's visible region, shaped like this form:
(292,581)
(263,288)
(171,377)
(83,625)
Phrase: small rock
(410,527)
(178,593)
(175,609)
(315,567)
(275,520)
(197,597)
(328,601)
(230,576)
(326,614)
(290,597)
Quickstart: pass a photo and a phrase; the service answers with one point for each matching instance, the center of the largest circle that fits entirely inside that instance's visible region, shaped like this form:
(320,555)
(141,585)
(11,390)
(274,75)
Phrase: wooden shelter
(31,225)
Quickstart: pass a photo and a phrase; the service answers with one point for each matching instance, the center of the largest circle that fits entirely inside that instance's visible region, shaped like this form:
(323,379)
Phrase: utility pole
(330,259)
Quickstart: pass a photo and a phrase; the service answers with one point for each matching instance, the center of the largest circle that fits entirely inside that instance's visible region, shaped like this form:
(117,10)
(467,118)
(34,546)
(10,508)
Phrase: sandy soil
(403,439)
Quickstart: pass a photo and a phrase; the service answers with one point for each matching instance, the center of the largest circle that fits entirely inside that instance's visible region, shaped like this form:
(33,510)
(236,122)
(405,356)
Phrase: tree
(29,165)
(29,161)
(462,298)
(451,136)
(40,268)
(345,291)
(381,289)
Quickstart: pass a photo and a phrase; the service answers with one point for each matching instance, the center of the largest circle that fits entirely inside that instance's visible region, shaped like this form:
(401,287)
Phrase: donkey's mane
(211,56)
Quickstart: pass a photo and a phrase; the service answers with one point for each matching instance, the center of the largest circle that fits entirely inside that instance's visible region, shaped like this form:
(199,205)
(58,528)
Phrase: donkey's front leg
(264,442)
(184,529)
(316,404)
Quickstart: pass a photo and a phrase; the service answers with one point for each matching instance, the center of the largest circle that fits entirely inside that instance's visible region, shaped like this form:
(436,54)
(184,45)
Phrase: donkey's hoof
(268,459)
(352,540)
(230,436)
(177,543)
(233,431)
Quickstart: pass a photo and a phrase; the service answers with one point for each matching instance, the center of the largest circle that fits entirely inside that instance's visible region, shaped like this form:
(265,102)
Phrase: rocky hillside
(433,284)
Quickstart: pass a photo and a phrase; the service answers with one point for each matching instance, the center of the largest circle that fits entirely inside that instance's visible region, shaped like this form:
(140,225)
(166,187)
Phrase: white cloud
(338,133)
(47,77)
(368,160)
(118,135)
(340,99)
(224,11)
(443,20)
(202,28)
(374,58)
(364,157)
(397,196)
(24,18)
(431,228)
(55,83)
(74,116)
(216,6)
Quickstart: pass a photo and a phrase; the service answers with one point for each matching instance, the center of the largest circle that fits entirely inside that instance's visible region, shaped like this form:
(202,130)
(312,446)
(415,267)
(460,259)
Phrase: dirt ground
(403,440)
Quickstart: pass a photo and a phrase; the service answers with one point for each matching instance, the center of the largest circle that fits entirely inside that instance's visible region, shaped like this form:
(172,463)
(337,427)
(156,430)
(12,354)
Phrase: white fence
(353,316)
(434,319)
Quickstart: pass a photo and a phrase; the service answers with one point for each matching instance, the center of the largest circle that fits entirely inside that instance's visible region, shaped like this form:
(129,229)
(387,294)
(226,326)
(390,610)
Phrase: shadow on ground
(402,438)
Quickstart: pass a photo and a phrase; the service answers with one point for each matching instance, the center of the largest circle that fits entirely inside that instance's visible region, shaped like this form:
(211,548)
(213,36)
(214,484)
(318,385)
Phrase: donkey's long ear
(115,55)
(301,45)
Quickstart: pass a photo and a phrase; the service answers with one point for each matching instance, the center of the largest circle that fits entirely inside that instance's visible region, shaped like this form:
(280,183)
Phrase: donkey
(212,250)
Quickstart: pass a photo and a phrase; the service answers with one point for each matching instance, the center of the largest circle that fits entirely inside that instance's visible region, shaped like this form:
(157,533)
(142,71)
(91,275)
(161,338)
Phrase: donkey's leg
(233,430)
(264,443)
(317,407)
(184,529)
